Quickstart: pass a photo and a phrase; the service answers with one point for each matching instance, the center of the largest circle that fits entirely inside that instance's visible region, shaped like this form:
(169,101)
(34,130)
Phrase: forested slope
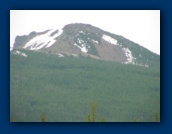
(64,87)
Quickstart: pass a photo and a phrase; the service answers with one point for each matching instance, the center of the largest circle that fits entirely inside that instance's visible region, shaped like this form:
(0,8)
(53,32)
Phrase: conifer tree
(103,119)
(93,114)
(157,117)
(43,117)
(89,119)
(14,120)
(135,120)
(93,111)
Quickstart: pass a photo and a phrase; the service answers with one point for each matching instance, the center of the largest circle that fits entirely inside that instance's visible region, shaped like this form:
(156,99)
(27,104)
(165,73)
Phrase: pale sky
(140,26)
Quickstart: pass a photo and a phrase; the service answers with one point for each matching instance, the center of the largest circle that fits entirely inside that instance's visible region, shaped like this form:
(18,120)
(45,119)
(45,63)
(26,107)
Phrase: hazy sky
(140,26)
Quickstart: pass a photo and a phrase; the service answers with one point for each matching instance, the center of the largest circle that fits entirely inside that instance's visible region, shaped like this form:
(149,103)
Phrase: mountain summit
(86,40)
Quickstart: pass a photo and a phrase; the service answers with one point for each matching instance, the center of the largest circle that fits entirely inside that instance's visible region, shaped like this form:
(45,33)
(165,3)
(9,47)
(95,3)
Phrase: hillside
(63,86)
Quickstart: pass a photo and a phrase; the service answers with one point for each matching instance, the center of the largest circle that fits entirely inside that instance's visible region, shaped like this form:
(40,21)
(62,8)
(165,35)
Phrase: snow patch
(83,48)
(120,45)
(81,42)
(137,64)
(60,55)
(130,58)
(110,39)
(44,40)
(143,65)
(146,65)
(95,41)
(81,32)
(19,53)
(82,45)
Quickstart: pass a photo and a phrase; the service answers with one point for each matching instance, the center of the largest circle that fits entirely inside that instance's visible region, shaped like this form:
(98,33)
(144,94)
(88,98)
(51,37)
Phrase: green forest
(61,89)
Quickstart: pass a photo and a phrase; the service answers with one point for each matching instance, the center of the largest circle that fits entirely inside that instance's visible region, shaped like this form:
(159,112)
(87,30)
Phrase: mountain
(87,40)
(60,72)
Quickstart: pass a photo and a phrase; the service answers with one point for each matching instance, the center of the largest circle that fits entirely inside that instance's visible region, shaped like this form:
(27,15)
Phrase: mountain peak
(87,40)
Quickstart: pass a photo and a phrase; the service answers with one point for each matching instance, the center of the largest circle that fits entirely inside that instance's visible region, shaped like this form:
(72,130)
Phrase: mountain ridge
(87,40)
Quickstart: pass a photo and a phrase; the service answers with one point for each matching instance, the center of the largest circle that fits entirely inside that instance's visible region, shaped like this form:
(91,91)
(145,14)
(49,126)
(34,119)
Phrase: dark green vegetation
(63,88)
